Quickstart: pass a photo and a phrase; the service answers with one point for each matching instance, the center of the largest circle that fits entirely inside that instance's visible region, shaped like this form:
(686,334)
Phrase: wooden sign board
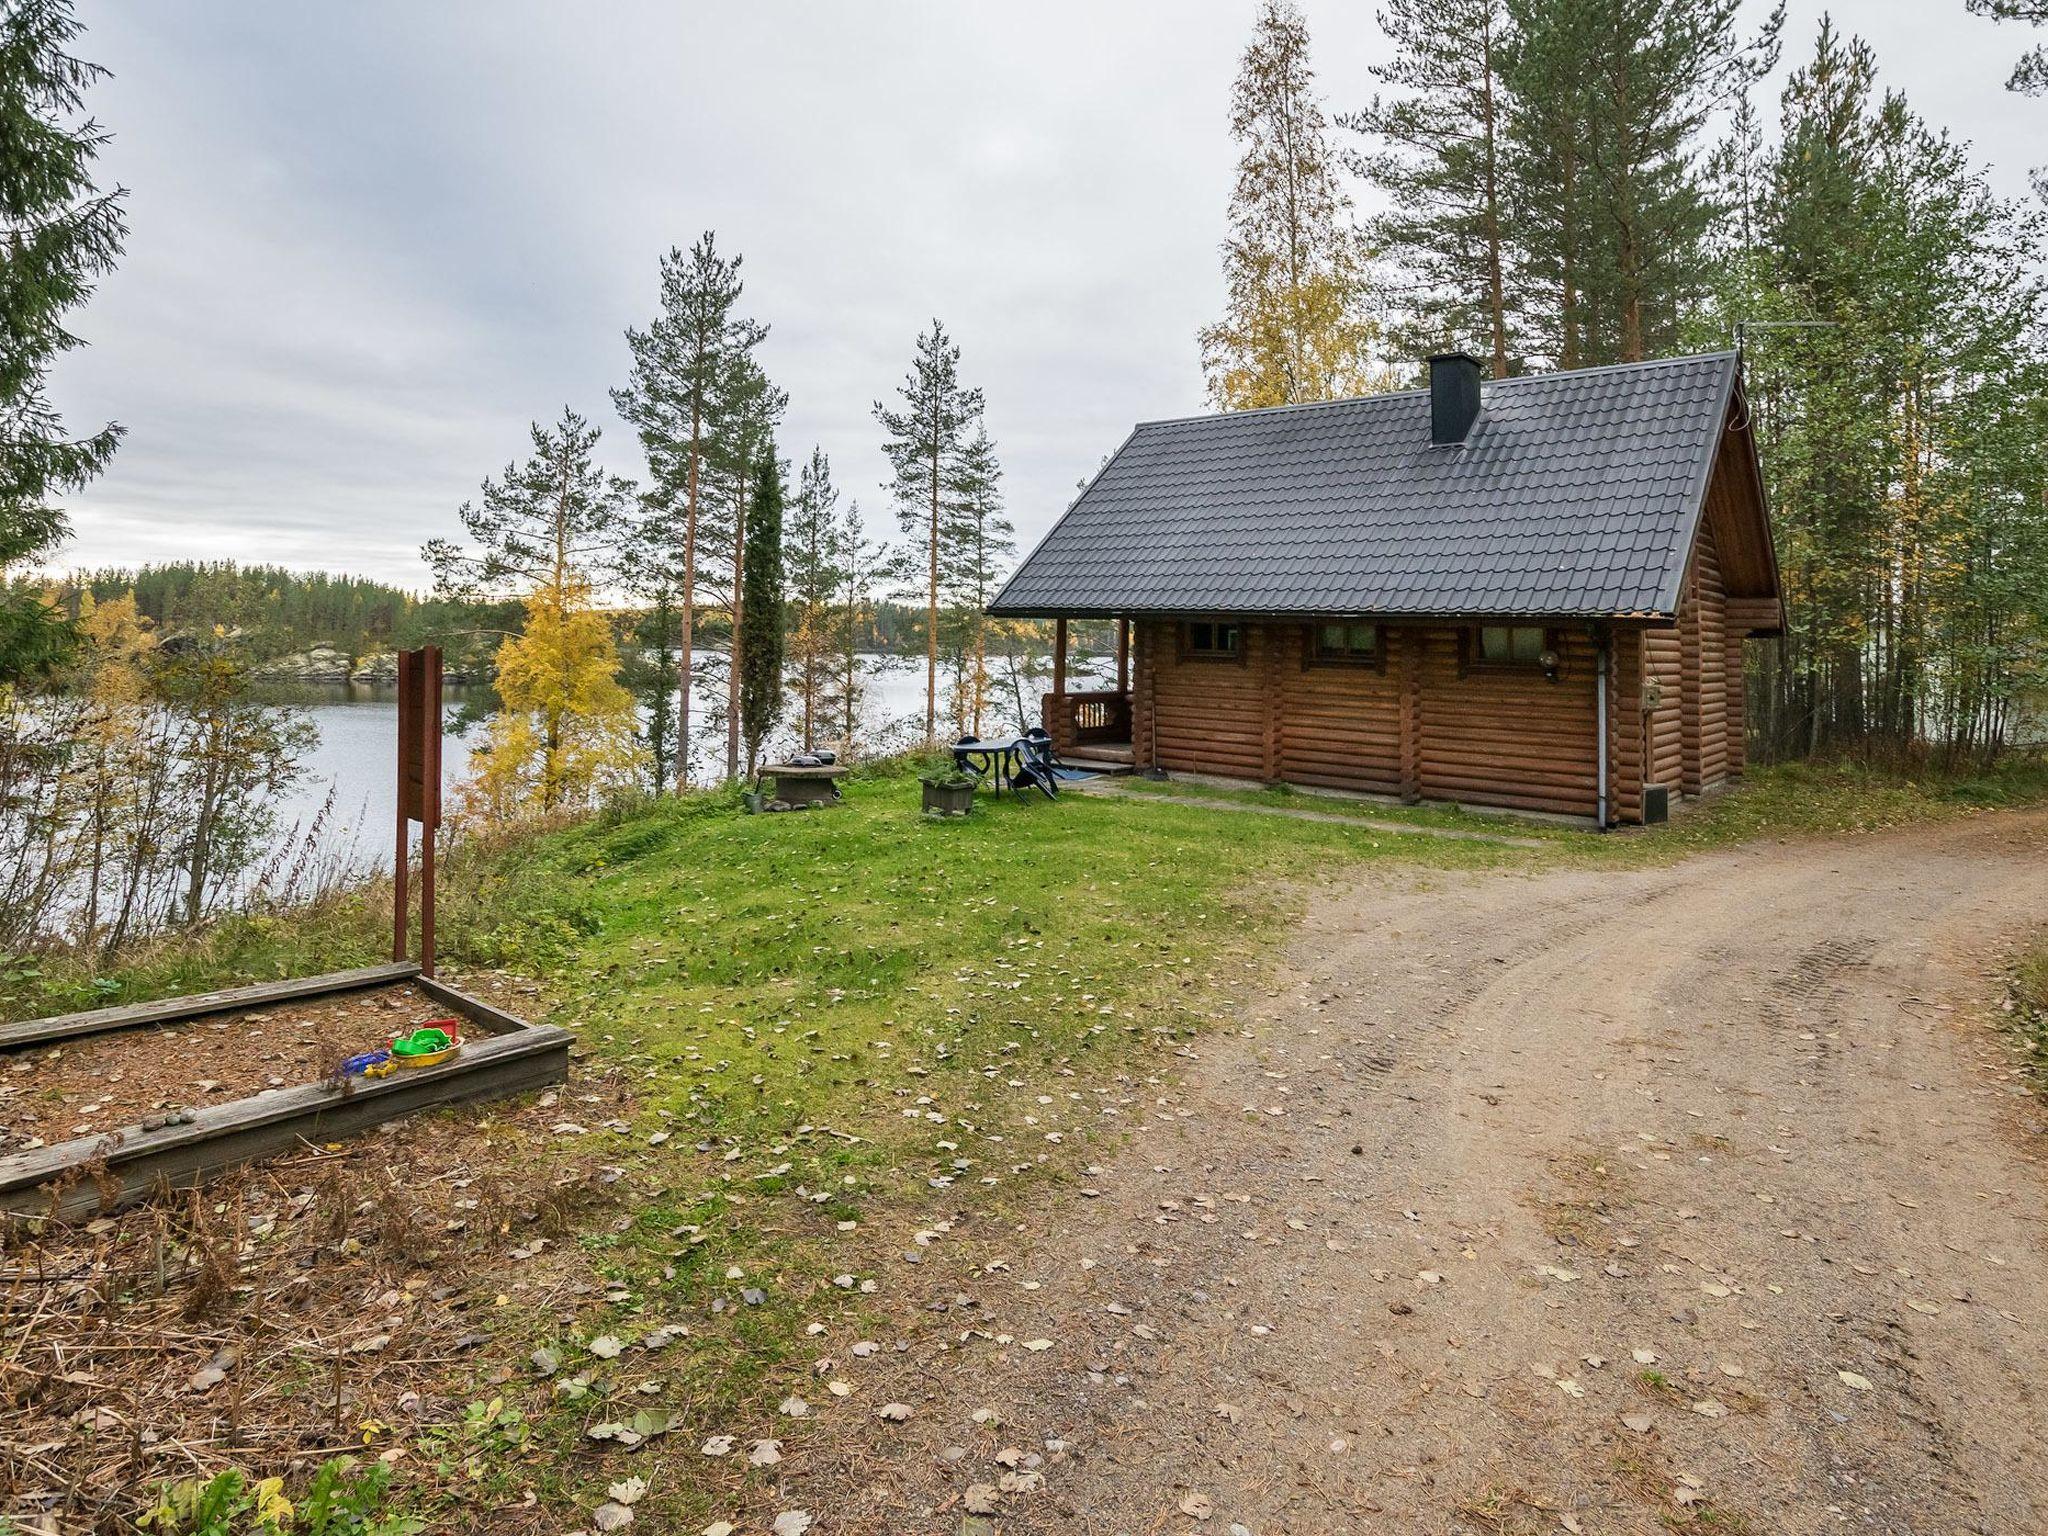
(419,736)
(419,795)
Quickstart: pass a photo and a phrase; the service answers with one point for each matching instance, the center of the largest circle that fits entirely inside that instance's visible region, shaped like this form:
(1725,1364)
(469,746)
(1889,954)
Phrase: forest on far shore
(278,612)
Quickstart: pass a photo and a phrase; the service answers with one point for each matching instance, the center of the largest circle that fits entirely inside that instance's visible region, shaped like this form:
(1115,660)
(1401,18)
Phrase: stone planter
(948,797)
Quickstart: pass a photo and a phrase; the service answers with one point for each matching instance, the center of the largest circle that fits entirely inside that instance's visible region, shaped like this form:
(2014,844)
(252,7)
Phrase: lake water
(355,761)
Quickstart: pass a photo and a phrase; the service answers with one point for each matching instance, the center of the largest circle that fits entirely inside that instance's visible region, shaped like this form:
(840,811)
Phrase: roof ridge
(1399,394)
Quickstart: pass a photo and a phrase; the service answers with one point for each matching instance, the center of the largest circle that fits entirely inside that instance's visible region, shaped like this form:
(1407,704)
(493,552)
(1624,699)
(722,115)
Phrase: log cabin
(1530,593)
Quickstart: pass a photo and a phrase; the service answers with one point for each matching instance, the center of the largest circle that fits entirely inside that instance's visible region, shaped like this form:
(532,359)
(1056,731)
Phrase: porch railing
(1087,719)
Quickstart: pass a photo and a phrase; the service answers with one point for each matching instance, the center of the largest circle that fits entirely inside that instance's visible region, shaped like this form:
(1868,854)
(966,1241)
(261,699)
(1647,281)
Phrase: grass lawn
(849,1035)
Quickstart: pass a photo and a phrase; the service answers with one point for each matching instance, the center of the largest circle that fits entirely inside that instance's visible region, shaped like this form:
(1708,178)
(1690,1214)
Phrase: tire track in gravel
(1384,1260)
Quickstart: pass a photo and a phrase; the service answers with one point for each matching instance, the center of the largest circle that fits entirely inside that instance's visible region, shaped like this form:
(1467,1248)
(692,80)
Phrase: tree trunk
(685,672)
(931,635)
(1496,288)
(732,668)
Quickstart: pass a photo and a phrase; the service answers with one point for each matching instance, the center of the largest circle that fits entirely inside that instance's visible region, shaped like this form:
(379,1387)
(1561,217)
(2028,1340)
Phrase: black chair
(1037,763)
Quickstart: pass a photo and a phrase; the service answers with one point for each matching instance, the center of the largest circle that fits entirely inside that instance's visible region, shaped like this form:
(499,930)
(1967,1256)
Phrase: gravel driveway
(1700,1198)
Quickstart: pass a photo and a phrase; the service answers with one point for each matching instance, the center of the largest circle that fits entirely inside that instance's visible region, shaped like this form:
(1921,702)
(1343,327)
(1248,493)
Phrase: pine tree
(1294,326)
(975,547)
(2030,75)
(924,445)
(684,366)
(863,565)
(58,233)
(654,674)
(811,561)
(1438,154)
(761,614)
(1611,103)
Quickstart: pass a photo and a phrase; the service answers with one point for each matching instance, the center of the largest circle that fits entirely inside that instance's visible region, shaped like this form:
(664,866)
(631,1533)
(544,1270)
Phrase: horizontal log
(223,1135)
(169,1010)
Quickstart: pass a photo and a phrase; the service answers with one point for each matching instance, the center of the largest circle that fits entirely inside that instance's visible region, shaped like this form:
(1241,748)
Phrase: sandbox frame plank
(169,1010)
(515,1056)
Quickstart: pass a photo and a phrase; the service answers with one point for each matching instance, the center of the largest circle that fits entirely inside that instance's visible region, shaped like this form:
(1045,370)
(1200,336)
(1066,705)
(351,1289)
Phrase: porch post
(1123,655)
(1059,656)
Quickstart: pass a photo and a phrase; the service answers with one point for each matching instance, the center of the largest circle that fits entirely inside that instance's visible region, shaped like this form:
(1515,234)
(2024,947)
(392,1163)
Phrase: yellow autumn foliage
(564,735)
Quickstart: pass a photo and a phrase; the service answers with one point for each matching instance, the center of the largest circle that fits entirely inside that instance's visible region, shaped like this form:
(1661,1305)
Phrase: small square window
(1212,641)
(1511,645)
(1347,642)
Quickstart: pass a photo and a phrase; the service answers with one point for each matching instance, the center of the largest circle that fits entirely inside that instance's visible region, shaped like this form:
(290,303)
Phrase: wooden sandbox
(504,1055)
(93,1168)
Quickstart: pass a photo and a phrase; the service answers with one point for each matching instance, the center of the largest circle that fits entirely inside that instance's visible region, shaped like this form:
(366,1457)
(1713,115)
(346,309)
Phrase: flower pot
(943,797)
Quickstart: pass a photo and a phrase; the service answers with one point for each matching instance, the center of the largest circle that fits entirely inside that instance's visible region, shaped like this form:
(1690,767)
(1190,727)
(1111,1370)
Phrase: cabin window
(1510,645)
(1346,642)
(1202,640)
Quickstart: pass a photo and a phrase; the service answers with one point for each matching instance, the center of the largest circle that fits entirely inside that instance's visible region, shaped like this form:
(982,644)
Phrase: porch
(1091,728)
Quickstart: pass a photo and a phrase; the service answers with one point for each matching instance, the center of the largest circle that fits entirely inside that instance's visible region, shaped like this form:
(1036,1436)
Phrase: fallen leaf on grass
(894,1413)
(1854,1382)
(1035,1345)
(717,1445)
(791,1522)
(607,1346)
(766,1453)
(1197,1506)
(611,1517)
(631,1491)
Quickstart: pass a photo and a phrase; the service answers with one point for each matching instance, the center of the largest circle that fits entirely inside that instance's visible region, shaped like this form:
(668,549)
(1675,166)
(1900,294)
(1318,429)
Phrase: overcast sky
(372,241)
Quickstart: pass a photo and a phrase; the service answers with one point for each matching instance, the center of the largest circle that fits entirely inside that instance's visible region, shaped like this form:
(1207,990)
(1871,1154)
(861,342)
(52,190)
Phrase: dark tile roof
(1577,494)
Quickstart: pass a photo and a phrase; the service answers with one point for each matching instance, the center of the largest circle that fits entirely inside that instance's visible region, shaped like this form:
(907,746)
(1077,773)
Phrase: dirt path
(1691,1197)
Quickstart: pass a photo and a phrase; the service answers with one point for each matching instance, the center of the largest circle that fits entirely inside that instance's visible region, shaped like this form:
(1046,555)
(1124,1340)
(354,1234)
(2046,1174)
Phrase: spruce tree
(761,617)
(1295,325)
(685,364)
(750,412)
(1437,151)
(58,233)
(925,441)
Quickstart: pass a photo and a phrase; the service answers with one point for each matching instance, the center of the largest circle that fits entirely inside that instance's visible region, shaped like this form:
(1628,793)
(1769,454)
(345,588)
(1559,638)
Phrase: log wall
(1424,724)
(1692,713)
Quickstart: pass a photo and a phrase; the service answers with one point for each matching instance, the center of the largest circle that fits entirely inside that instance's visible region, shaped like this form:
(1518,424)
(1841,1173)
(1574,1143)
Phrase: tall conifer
(761,616)
(685,364)
(1438,151)
(58,233)
(924,444)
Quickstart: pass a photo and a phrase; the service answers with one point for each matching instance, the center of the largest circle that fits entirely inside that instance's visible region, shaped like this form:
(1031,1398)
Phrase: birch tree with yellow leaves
(1296,325)
(549,531)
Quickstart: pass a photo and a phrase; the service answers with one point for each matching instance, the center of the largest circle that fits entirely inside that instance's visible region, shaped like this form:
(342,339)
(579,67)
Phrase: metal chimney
(1453,397)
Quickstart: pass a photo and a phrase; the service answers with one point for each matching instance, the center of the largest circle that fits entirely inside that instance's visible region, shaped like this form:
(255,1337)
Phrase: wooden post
(419,795)
(1123,655)
(1059,656)
(1410,713)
